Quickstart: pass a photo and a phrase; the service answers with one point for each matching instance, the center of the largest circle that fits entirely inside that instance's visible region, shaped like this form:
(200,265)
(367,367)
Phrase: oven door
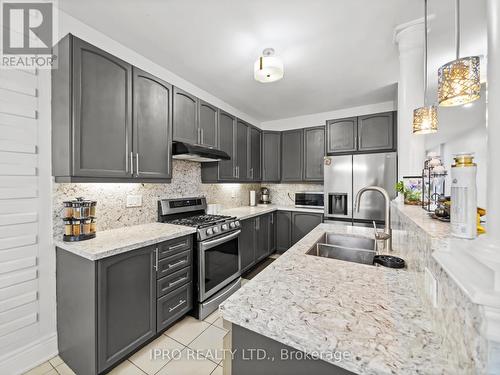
(219,264)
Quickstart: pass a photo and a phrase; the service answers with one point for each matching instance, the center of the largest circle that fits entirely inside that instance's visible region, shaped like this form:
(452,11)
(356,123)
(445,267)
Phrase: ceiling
(337,53)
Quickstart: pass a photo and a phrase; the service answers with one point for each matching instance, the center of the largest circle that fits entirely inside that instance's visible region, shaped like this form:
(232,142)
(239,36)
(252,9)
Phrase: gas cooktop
(200,221)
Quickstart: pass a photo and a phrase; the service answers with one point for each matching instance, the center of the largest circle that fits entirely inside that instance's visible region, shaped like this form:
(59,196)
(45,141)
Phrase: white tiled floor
(198,345)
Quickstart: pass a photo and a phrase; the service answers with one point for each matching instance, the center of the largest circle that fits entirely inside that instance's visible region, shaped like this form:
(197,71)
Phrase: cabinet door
(283,230)
(255,154)
(314,152)
(226,143)
(376,132)
(126,300)
(247,244)
(242,154)
(341,135)
(102,113)
(209,124)
(271,156)
(262,242)
(291,155)
(185,117)
(303,223)
(152,126)
(272,233)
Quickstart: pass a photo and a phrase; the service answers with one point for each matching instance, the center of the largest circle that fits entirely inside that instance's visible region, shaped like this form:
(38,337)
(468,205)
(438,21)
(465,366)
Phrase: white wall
(69,24)
(317,119)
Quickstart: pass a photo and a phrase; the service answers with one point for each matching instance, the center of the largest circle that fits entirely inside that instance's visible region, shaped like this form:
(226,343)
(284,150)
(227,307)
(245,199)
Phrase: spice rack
(79,220)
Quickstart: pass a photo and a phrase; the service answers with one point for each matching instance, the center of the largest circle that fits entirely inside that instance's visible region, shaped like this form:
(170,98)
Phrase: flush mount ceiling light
(268,68)
(459,80)
(425,119)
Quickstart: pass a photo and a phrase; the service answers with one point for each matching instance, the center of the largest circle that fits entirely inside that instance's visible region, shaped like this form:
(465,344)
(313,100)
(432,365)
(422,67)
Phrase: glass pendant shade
(268,69)
(459,82)
(425,120)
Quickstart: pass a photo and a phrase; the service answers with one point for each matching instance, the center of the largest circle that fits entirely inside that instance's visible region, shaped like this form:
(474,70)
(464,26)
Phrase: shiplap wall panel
(19,206)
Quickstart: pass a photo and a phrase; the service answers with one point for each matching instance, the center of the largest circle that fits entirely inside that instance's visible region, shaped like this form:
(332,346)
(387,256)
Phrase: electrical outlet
(134,200)
(431,287)
(233,193)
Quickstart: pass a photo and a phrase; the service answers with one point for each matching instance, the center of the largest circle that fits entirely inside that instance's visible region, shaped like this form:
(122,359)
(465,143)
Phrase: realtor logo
(27,34)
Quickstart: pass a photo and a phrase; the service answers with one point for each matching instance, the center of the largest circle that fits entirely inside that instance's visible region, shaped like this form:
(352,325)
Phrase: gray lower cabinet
(256,240)
(314,153)
(185,117)
(271,156)
(247,244)
(208,116)
(107,309)
(376,132)
(263,231)
(126,300)
(255,154)
(292,151)
(303,223)
(283,231)
(152,126)
(272,233)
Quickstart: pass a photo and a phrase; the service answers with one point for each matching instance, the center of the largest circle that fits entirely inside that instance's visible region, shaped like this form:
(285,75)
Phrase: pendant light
(425,118)
(459,80)
(268,68)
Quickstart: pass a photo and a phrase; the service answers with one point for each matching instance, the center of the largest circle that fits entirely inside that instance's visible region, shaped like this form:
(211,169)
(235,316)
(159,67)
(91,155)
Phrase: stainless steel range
(217,255)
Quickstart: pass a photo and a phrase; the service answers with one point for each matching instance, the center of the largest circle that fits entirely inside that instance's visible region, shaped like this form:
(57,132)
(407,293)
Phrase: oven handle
(209,244)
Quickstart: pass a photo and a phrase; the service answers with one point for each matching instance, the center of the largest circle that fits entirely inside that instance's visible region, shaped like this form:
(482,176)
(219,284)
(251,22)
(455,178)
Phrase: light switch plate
(431,287)
(134,201)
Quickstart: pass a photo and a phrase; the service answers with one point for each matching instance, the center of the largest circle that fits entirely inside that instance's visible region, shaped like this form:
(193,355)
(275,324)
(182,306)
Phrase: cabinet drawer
(167,266)
(175,280)
(168,248)
(173,306)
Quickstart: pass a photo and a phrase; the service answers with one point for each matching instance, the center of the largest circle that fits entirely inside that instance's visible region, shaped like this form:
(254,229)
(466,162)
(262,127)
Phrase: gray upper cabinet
(126,300)
(303,223)
(341,135)
(271,156)
(152,126)
(314,152)
(376,132)
(185,117)
(227,126)
(208,116)
(292,155)
(242,154)
(255,154)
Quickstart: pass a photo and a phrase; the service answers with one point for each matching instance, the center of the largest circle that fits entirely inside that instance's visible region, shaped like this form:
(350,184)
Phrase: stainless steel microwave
(309,199)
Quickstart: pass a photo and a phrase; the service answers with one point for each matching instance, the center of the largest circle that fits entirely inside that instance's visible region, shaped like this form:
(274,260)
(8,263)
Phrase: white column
(411,148)
(493,167)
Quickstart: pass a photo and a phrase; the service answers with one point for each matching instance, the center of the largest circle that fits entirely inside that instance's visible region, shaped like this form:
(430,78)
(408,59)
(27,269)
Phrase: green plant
(409,194)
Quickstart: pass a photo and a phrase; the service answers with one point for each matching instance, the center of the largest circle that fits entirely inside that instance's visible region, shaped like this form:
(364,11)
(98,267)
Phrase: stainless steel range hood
(202,154)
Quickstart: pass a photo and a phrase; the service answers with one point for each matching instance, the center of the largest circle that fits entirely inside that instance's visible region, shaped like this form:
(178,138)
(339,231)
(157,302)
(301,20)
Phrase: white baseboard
(29,356)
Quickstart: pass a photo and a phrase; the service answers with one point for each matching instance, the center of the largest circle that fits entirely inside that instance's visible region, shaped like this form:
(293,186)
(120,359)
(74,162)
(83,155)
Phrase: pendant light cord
(425,53)
(457,28)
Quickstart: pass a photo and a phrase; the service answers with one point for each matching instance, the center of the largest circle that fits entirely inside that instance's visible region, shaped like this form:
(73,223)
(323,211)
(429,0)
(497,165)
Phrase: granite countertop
(246,212)
(117,241)
(316,304)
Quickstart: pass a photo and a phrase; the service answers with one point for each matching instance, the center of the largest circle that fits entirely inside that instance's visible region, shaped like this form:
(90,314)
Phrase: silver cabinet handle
(156,260)
(251,173)
(181,302)
(272,219)
(177,246)
(170,265)
(202,136)
(199,135)
(177,281)
(131,163)
(137,163)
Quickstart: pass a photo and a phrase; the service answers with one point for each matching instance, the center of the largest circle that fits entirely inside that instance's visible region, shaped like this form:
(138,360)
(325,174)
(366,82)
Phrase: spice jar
(93,225)
(68,209)
(93,205)
(76,227)
(86,226)
(77,209)
(86,209)
(68,227)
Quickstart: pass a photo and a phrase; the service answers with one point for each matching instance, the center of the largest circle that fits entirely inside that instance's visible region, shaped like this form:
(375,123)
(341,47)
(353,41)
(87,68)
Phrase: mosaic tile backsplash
(111,197)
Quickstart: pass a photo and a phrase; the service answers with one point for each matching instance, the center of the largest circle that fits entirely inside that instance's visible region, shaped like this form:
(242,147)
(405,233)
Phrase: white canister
(253,198)
(463,214)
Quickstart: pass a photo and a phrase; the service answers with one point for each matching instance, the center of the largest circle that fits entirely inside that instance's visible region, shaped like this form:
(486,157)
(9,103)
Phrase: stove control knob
(232,225)
(237,223)
(224,227)
(216,230)
(209,232)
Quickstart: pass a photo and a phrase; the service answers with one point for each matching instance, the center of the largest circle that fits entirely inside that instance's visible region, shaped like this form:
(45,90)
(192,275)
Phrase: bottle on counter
(463,213)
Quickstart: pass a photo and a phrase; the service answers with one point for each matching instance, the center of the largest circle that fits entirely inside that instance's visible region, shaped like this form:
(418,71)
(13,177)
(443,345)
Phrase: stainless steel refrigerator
(345,175)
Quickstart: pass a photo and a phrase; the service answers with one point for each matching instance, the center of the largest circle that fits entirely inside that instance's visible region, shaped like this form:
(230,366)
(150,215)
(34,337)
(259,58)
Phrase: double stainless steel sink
(345,247)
